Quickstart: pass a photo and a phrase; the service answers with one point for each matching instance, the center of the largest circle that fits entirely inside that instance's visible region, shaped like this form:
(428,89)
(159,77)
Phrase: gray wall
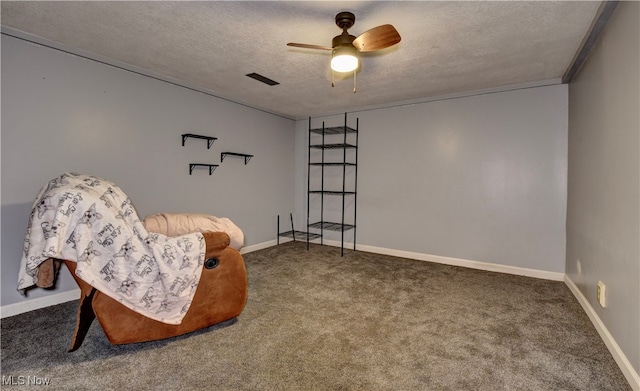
(479,178)
(64,113)
(603,229)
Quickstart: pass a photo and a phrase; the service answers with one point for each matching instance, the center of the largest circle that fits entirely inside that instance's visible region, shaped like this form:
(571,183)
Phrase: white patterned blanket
(91,221)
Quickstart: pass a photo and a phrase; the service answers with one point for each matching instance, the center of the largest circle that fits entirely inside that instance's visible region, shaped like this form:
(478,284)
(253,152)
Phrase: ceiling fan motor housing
(344,39)
(345,20)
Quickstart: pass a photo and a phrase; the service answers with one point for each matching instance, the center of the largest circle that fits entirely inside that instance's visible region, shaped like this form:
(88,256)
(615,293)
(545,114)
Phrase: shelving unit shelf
(332,146)
(296,235)
(329,226)
(332,164)
(323,169)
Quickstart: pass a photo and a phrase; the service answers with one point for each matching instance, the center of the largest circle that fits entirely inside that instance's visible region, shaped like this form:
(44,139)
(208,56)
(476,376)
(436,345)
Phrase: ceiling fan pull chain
(332,77)
(354,81)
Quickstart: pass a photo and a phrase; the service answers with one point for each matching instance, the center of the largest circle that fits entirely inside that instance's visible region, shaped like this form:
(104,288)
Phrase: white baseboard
(259,246)
(621,359)
(492,267)
(40,302)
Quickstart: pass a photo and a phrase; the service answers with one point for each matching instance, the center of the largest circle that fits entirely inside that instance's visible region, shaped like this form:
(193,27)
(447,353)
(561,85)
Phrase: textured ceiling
(447,47)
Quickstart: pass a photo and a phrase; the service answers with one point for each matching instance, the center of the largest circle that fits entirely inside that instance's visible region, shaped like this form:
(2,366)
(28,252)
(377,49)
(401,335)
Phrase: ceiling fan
(346,47)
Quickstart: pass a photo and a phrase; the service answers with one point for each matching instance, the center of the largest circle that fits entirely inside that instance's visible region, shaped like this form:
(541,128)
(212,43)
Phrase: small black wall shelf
(243,155)
(209,139)
(212,167)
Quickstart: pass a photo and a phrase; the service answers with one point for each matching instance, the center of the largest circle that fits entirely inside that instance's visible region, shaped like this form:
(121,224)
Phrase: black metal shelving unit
(330,138)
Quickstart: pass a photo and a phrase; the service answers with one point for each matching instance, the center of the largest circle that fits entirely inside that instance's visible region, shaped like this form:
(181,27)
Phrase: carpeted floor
(318,321)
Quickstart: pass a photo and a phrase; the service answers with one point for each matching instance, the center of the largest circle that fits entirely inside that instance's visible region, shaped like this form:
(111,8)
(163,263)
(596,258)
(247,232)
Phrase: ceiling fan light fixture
(344,59)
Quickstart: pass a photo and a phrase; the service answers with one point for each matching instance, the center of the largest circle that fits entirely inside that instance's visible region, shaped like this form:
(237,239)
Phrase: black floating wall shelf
(209,139)
(243,155)
(212,167)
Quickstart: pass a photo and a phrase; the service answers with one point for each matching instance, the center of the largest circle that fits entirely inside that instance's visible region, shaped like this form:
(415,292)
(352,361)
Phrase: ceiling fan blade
(377,38)
(307,46)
